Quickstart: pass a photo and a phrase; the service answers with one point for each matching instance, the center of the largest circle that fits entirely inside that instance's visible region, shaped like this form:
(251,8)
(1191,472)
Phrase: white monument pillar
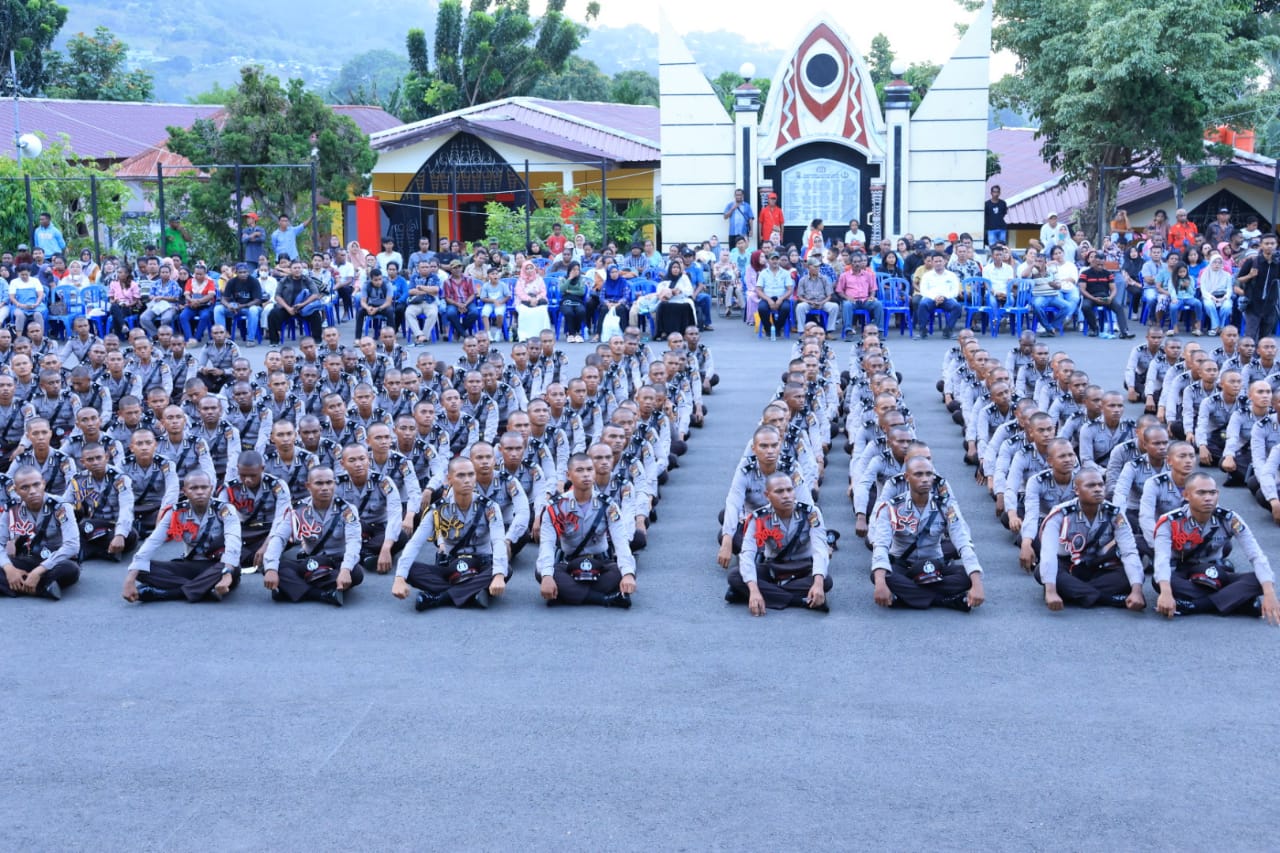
(897,178)
(746,157)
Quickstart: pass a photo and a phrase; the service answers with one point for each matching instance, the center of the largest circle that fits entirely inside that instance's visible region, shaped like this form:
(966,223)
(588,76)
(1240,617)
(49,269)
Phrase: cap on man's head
(1223,210)
(773,195)
(774,256)
(242,267)
(251,215)
(23,247)
(921,246)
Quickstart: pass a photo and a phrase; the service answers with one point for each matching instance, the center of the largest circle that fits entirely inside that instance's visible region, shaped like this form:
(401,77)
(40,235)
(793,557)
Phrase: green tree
(490,51)
(579,80)
(1115,114)
(67,198)
(270,124)
(95,68)
(372,77)
(28,28)
(880,59)
(634,87)
(726,81)
(215,95)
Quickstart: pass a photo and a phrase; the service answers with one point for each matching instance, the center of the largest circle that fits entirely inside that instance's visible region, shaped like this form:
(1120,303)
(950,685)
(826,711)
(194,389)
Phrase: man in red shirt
(1183,233)
(555,243)
(771,218)
(200,294)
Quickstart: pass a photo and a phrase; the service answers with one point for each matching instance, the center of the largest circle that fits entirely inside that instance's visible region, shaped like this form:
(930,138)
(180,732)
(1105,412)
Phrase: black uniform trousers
(372,537)
(1239,589)
(64,572)
(1088,586)
(295,585)
(949,591)
(777,595)
(193,579)
(437,581)
(94,547)
(251,539)
(571,591)
(144,519)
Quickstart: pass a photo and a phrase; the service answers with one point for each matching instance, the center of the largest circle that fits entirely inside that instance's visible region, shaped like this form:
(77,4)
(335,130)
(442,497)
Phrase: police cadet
(785,556)
(155,483)
(327,561)
(219,436)
(1236,455)
(12,426)
(55,405)
(1087,551)
(1046,490)
(286,461)
(1163,492)
(102,498)
(377,504)
(399,470)
(55,466)
(250,416)
(505,492)
(89,431)
(907,564)
(747,491)
(260,499)
(888,462)
(1099,436)
(209,533)
(1191,571)
(39,540)
(429,463)
(90,390)
(584,556)
(466,531)
(187,452)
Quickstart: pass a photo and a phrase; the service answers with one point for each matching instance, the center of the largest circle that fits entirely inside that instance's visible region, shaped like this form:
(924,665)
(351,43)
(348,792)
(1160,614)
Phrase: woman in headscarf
(675,302)
(615,294)
(1215,294)
(531,302)
(89,266)
(1228,262)
(1131,272)
(573,297)
(356,255)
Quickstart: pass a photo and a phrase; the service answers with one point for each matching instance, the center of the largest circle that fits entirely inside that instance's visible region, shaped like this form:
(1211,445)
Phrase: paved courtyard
(680,724)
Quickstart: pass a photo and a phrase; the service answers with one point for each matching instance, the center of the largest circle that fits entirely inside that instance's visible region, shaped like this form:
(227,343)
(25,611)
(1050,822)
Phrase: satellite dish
(30,145)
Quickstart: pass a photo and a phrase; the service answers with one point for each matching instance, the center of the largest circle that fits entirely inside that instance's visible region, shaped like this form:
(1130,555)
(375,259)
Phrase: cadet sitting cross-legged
(471,559)
(784,555)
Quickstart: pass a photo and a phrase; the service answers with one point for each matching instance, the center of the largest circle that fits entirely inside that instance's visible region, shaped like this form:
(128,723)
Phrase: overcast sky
(919,30)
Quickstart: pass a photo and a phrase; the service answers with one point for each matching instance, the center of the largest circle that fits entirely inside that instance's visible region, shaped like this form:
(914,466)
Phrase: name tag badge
(87,527)
(45,553)
(312,565)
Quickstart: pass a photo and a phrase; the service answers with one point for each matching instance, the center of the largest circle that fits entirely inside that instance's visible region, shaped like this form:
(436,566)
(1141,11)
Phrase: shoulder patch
(60,514)
(349,515)
(490,513)
(225,510)
(612,512)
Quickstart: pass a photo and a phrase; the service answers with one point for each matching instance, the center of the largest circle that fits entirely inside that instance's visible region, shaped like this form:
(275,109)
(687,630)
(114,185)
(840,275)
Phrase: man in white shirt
(939,288)
(1049,232)
(999,272)
(389,254)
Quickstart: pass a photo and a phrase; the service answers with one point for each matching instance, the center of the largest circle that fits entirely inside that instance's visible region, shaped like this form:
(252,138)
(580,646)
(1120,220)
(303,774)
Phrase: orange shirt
(1182,236)
(771,219)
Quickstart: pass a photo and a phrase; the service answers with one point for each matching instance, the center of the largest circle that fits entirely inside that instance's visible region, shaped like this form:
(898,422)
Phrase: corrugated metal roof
(618,133)
(143,164)
(119,130)
(1033,190)
(101,130)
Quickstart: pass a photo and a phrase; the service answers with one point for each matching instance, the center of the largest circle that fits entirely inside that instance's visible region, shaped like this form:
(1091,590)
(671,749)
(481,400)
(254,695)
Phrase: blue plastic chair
(897,300)
(94,298)
(553,302)
(1018,306)
(976,292)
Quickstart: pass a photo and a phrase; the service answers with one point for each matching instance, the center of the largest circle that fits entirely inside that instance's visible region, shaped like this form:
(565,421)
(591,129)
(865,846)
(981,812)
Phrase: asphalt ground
(682,724)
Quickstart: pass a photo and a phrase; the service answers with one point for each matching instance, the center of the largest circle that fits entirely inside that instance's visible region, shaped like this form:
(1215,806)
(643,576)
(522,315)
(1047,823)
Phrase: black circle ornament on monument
(821,70)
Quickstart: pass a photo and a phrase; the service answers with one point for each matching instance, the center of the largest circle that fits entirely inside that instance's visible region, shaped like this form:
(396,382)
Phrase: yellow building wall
(620,184)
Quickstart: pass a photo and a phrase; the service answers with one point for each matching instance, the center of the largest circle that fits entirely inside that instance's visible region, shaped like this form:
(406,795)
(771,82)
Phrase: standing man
(993,214)
(1221,229)
(772,219)
(253,239)
(740,216)
(175,240)
(284,240)
(1259,281)
(785,555)
(48,237)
